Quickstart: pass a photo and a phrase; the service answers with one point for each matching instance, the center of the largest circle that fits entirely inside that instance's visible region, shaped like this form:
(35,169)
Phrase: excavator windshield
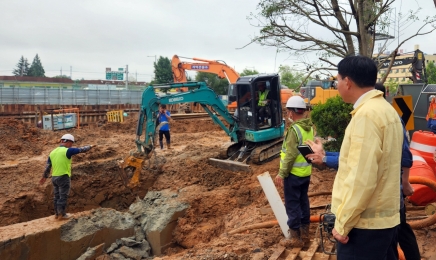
(258,103)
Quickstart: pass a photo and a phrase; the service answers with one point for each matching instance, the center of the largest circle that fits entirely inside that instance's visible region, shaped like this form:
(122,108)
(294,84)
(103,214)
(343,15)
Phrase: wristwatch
(324,159)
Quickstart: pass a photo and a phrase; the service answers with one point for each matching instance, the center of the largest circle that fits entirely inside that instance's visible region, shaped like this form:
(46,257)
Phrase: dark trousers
(167,137)
(61,185)
(263,112)
(297,201)
(368,244)
(407,239)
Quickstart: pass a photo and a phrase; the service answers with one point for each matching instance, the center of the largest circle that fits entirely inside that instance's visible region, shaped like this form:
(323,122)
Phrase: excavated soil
(220,200)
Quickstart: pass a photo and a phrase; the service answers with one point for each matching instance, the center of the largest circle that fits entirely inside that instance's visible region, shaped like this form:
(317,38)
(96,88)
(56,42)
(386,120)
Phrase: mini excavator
(251,140)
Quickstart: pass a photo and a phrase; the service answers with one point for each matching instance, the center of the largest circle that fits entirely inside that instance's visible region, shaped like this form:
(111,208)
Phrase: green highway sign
(114,75)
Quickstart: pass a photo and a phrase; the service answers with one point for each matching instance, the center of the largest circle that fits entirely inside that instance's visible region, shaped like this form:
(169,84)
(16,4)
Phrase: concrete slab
(50,239)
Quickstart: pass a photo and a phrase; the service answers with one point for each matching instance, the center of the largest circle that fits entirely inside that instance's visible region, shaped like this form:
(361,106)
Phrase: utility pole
(71,72)
(127,76)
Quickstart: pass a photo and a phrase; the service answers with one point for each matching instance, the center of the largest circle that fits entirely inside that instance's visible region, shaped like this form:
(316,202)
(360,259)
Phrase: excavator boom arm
(221,69)
(199,93)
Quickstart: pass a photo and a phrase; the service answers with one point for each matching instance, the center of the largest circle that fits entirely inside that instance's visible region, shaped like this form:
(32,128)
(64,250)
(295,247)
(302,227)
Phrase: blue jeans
(61,185)
(431,124)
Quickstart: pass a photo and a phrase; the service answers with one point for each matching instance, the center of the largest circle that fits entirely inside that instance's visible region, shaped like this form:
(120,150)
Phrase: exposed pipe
(267,224)
(419,224)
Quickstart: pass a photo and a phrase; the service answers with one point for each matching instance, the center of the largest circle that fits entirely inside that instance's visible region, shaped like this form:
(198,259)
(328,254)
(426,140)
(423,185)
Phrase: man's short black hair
(163,106)
(360,69)
(380,87)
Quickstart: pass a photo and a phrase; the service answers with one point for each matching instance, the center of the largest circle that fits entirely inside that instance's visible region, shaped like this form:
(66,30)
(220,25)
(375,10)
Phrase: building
(400,70)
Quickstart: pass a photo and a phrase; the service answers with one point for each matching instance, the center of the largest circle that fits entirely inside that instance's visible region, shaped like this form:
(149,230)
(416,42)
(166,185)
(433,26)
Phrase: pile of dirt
(18,138)
(220,200)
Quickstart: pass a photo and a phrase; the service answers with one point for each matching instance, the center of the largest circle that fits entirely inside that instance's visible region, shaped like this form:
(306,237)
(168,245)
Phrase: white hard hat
(296,102)
(68,137)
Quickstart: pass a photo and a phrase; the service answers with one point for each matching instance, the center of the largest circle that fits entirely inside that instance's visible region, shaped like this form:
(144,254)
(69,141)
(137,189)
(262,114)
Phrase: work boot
(304,233)
(294,240)
(161,144)
(65,216)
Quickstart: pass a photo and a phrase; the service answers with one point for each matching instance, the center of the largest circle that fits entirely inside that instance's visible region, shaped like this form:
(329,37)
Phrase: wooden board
(312,250)
(277,253)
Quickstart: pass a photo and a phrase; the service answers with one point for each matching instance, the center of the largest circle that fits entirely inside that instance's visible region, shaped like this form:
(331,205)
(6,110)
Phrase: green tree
(36,69)
(331,119)
(247,72)
(289,78)
(391,85)
(218,85)
(62,76)
(22,68)
(162,71)
(333,29)
(430,71)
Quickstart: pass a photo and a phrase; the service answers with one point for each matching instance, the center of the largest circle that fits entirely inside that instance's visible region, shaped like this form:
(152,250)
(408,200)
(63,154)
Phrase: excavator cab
(258,102)
(258,114)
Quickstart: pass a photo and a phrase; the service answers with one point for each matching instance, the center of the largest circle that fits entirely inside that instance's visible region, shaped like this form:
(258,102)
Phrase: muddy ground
(220,200)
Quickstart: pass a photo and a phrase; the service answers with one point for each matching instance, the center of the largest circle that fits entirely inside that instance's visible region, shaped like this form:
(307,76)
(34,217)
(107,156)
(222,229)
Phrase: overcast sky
(90,35)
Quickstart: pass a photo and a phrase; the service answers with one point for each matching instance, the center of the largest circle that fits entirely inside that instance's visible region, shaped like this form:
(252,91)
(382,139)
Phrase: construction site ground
(219,200)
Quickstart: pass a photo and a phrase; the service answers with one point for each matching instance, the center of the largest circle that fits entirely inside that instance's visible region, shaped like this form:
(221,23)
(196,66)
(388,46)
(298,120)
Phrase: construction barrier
(423,194)
(425,143)
(115,116)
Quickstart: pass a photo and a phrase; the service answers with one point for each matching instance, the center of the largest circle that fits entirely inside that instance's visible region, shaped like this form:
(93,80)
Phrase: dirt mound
(220,200)
(18,138)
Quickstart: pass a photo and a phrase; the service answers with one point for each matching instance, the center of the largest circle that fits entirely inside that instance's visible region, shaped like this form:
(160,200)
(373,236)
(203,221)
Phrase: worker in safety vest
(60,159)
(294,173)
(263,101)
(431,115)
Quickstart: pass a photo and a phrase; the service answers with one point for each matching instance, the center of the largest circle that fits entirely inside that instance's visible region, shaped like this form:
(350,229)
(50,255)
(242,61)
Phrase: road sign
(114,75)
(403,106)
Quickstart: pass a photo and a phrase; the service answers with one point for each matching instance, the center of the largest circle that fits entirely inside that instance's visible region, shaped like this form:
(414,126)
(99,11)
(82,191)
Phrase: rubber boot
(161,144)
(294,240)
(304,233)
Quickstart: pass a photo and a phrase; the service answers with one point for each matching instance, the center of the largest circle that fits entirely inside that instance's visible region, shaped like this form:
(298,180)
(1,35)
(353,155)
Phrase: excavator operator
(263,101)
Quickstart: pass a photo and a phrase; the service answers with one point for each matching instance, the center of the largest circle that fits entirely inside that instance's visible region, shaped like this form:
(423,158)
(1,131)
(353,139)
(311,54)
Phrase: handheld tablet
(305,150)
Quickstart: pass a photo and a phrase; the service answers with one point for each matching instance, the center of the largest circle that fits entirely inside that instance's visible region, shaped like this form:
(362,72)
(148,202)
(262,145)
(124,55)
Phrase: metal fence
(49,96)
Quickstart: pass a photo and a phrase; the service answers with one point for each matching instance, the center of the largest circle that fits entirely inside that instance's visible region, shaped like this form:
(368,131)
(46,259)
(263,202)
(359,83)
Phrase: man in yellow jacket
(366,190)
(294,173)
(60,159)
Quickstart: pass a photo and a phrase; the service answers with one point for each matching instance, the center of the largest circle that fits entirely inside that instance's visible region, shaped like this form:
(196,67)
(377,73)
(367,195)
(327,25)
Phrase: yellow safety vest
(59,161)
(301,167)
(262,97)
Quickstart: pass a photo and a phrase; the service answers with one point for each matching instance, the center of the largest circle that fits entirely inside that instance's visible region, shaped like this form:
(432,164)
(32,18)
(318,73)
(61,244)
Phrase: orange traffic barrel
(423,194)
(425,143)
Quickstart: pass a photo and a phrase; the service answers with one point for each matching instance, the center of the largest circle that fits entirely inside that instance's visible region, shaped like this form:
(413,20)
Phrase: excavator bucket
(131,177)
(230,165)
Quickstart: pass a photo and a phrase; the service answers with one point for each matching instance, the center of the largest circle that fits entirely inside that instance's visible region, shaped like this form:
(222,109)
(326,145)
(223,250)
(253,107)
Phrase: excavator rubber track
(266,152)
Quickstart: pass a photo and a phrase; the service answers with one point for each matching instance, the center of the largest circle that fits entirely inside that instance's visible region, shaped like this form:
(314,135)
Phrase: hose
(419,224)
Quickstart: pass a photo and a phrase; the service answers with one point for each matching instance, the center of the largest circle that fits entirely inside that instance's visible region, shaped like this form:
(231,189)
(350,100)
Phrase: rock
(129,242)
(139,234)
(92,253)
(117,256)
(112,248)
(130,253)
(146,248)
